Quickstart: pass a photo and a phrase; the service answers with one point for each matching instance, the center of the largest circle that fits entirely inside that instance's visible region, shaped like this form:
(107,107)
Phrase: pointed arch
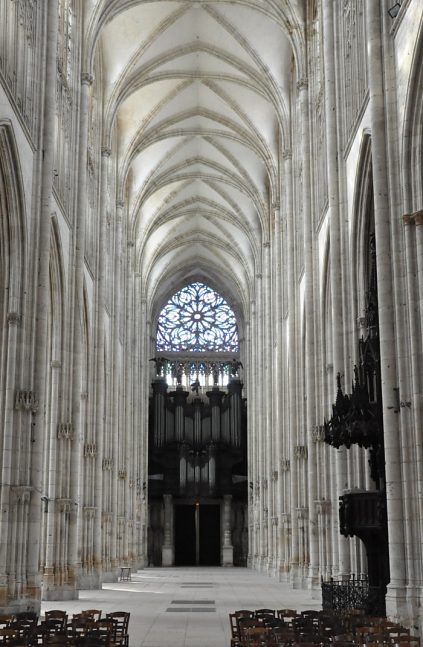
(362,224)
(12,221)
(12,259)
(412,167)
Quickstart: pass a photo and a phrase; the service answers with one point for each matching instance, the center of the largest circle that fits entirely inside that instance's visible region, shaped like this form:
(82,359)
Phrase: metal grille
(345,595)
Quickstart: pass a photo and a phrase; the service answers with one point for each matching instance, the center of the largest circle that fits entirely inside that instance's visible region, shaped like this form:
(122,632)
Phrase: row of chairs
(86,629)
(287,627)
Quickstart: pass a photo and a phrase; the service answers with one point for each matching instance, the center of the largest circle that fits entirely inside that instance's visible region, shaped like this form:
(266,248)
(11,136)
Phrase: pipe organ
(198,461)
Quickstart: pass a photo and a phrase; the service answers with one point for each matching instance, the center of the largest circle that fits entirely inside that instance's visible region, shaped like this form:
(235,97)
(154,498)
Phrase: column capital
(14,318)
(302,513)
(285,464)
(87,78)
(90,450)
(418,218)
(301,452)
(302,84)
(120,204)
(26,400)
(318,434)
(22,492)
(65,430)
(322,506)
(106,151)
(107,464)
(287,154)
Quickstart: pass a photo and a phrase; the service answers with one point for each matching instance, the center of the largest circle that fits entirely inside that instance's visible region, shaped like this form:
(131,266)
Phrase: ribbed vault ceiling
(197,93)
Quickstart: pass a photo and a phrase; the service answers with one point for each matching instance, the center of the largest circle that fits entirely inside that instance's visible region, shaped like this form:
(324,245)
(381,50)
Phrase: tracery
(197,319)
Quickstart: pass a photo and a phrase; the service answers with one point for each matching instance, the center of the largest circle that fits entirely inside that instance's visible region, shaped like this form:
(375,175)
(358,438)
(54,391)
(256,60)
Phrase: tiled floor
(187,607)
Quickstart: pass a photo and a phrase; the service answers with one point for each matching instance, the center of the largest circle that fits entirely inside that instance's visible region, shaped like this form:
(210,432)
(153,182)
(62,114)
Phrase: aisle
(187,607)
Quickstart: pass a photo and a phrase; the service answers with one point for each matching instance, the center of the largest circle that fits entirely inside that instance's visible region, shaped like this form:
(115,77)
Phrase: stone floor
(187,607)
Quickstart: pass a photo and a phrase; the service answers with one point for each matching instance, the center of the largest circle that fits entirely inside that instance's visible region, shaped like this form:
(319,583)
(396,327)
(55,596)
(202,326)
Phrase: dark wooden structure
(197,459)
(357,420)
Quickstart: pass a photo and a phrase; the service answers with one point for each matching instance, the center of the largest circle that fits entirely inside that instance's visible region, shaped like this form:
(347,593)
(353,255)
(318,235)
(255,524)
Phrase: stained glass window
(197,319)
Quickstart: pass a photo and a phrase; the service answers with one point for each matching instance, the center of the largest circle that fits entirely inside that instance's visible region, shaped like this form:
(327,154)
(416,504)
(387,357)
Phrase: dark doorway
(197,535)
(185,535)
(209,535)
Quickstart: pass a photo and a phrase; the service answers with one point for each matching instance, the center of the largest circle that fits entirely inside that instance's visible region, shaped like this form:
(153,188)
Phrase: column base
(90,579)
(29,600)
(109,575)
(168,556)
(314,583)
(59,585)
(227,556)
(396,602)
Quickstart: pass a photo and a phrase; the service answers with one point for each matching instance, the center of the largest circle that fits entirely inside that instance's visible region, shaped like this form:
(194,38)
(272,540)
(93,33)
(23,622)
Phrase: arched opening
(197,434)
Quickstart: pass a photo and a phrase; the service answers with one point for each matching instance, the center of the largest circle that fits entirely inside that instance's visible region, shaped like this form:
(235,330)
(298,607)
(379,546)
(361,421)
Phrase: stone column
(260,450)
(130,442)
(99,324)
(290,464)
(77,359)
(388,364)
(168,550)
(116,378)
(144,382)
(252,444)
(227,548)
(268,404)
(310,369)
(278,388)
(139,414)
(411,415)
(336,278)
(416,350)
(32,591)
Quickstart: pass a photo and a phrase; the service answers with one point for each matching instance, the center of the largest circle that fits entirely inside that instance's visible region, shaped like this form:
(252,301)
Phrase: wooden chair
(282,636)
(255,636)
(6,619)
(95,614)
(25,625)
(8,636)
(408,641)
(121,618)
(103,634)
(264,613)
(242,614)
(79,628)
(245,624)
(56,640)
(286,615)
(59,616)
(233,622)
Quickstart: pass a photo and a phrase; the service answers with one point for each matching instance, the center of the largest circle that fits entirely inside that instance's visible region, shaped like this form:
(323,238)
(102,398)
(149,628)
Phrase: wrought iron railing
(344,595)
